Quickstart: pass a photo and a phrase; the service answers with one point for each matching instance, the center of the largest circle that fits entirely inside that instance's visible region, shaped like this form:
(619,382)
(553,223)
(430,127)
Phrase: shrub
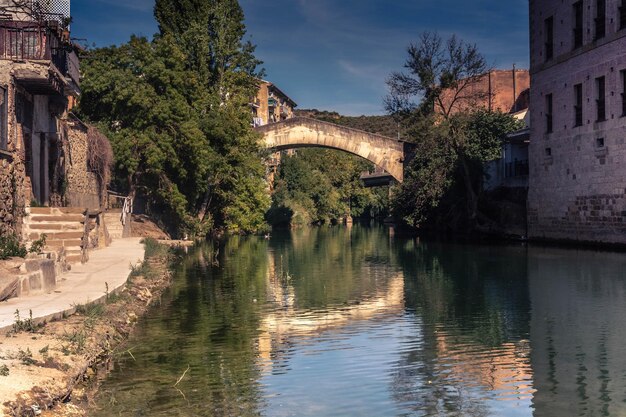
(10,246)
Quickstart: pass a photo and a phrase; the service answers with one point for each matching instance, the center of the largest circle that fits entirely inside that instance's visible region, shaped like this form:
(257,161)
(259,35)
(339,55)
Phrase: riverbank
(45,367)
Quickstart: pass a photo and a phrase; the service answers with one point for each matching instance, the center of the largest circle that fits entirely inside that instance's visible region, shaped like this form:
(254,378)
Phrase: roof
(278,91)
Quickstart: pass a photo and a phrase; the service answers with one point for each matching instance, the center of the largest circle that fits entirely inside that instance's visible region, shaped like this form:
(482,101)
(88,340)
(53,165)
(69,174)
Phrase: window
(548,152)
(549,113)
(600,100)
(623,73)
(600,19)
(3,119)
(578,106)
(578,24)
(600,143)
(549,34)
(622,15)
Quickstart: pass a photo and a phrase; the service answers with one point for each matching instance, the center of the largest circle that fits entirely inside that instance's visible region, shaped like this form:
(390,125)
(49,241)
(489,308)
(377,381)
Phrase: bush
(11,246)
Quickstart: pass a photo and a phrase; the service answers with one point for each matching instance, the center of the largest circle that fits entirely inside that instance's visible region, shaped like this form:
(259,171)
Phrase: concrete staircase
(113,222)
(64,228)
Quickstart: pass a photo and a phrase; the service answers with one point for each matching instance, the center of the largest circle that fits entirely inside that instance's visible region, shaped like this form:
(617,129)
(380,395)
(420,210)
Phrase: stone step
(74,259)
(55,210)
(64,243)
(68,218)
(57,235)
(47,227)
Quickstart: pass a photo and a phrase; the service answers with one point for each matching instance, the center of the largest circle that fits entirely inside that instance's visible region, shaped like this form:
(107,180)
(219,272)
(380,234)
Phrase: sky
(335,54)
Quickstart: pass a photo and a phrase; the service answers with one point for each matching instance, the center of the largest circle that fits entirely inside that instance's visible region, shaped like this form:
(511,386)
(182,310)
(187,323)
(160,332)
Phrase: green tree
(139,93)
(439,101)
(176,109)
(321,185)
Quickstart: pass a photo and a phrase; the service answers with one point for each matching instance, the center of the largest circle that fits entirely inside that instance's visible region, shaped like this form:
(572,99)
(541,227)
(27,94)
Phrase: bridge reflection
(279,328)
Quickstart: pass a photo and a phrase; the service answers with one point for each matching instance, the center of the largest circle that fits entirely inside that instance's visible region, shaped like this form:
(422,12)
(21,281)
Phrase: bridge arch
(300,132)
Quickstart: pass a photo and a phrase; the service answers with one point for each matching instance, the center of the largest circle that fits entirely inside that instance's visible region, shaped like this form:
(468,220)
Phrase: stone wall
(11,196)
(577,181)
(14,191)
(82,189)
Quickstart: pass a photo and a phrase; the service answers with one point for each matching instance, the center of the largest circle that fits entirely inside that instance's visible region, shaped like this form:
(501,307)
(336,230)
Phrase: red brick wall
(503,90)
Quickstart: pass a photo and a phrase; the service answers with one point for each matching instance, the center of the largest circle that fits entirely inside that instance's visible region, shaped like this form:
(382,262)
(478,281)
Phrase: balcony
(516,169)
(31,41)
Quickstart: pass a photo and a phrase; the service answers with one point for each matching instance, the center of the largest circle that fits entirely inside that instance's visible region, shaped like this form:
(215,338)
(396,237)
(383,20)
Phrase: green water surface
(355,321)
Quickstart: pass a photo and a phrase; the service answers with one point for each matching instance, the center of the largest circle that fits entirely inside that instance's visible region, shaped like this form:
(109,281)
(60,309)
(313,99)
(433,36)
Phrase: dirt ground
(143,226)
(48,370)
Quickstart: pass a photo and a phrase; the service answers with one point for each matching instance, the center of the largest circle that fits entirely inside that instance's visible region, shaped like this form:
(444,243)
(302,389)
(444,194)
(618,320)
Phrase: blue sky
(336,54)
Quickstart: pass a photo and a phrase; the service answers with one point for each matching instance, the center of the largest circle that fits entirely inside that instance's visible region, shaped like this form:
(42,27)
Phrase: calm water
(356,322)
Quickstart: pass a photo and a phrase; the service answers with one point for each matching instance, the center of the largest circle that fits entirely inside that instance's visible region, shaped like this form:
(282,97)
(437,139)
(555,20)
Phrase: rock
(8,285)
(12,263)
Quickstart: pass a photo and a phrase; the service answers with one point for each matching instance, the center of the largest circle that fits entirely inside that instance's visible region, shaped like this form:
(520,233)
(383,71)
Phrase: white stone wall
(577,192)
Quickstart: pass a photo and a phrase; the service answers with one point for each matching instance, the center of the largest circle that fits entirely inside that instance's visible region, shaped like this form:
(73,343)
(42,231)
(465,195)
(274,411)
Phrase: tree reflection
(462,312)
(474,311)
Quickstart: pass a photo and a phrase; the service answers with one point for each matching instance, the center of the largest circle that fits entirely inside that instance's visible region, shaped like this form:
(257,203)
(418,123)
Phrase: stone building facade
(43,148)
(577,181)
(271,105)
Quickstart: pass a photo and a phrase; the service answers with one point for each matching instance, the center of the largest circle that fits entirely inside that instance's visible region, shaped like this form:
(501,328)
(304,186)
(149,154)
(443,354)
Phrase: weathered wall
(499,90)
(14,185)
(301,132)
(282,111)
(81,185)
(577,188)
(11,195)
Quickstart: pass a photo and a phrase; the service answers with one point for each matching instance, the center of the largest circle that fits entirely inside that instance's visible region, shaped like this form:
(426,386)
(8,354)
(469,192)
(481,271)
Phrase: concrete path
(85,283)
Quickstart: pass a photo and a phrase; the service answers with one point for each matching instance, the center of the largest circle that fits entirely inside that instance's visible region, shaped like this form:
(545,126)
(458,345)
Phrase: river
(342,321)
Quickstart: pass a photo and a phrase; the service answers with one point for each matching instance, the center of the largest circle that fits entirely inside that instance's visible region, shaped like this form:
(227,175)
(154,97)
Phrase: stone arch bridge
(299,132)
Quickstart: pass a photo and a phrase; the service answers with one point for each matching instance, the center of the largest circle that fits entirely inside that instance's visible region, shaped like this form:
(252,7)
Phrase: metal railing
(516,169)
(23,41)
(26,40)
(127,209)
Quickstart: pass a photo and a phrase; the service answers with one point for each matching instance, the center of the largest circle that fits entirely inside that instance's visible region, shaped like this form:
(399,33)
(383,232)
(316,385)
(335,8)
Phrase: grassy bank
(51,368)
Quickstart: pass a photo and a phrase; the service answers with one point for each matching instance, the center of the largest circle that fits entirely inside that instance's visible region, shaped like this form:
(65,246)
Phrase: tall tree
(435,67)
(212,33)
(177,108)
(440,101)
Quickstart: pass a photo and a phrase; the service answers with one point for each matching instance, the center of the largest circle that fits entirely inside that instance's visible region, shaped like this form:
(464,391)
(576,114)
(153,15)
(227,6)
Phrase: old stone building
(578,120)
(271,105)
(38,76)
(47,155)
(497,90)
(506,91)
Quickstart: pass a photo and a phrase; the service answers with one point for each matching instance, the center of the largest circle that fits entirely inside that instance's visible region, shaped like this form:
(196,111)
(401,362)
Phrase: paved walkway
(83,284)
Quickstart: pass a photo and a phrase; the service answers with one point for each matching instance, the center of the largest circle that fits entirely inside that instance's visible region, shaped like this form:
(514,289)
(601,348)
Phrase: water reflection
(578,333)
(353,321)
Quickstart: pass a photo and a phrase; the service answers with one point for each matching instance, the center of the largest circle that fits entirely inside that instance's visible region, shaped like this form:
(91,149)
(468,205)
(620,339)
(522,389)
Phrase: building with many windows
(271,105)
(577,180)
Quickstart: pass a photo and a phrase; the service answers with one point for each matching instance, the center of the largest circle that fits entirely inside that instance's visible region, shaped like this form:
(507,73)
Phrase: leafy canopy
(440,102)
(176,109)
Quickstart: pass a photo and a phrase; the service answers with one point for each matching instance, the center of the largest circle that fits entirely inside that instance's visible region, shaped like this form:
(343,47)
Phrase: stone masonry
(82,188)
(14,191)
(577,183)
(299,132)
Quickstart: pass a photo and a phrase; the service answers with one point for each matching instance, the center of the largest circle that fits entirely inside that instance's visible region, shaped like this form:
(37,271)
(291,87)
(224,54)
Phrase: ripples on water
(351,322)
